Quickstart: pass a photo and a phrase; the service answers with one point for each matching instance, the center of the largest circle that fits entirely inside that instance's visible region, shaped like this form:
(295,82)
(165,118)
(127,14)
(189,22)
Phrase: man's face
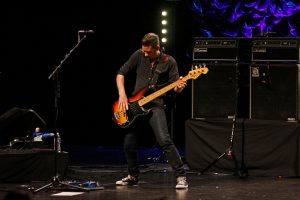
(150,51)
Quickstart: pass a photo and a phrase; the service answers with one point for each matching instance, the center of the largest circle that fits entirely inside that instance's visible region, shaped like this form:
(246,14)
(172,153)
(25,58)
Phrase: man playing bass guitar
(154,69)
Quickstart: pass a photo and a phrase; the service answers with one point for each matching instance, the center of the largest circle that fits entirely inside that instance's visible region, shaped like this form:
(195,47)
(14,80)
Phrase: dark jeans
(157,120)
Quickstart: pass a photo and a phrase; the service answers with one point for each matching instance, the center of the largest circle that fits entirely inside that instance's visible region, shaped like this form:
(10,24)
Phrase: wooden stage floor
(157,183)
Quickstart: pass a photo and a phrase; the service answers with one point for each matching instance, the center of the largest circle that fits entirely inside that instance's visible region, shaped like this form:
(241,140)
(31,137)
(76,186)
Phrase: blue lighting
(246,18)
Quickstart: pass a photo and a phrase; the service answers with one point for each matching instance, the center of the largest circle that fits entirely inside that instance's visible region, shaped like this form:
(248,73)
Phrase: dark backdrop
(36,40)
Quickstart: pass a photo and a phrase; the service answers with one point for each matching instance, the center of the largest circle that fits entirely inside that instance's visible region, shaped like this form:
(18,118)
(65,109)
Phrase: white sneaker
(181,183)
(129,180)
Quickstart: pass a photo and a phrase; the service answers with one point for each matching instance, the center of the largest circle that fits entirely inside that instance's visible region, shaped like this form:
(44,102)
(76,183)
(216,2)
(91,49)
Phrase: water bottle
(58,143)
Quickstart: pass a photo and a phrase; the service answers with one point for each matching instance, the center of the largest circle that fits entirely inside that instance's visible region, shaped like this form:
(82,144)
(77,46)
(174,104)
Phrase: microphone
(86,31)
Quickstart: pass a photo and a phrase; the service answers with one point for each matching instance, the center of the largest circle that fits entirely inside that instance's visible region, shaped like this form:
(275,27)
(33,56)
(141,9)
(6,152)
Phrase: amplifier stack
(257,78)
(214,95)
(274,79)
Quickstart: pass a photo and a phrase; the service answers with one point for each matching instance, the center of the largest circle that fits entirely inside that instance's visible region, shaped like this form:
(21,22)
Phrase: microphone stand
(229,153)
(57,82)
(55,181)
(67,55)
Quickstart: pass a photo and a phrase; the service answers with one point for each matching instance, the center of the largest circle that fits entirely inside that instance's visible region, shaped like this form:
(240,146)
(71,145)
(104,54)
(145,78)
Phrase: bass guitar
(124,118)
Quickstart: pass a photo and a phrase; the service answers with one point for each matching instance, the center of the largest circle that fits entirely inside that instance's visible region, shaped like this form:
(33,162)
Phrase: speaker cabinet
(274,91)
(215,94)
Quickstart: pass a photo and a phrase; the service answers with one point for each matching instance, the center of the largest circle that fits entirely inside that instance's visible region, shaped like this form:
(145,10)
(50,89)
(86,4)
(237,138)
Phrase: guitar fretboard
(160,92)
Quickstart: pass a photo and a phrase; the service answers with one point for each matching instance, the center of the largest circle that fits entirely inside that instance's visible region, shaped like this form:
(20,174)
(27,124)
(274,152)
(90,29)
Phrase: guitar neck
(159,92)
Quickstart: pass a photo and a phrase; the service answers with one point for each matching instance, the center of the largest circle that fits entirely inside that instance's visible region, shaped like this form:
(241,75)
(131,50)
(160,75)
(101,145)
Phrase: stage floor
(157,183)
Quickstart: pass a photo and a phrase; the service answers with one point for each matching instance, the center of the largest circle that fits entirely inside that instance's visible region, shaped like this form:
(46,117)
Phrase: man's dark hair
(150,39)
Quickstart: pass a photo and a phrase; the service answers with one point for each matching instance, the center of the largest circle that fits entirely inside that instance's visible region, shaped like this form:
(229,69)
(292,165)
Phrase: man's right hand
(123,102)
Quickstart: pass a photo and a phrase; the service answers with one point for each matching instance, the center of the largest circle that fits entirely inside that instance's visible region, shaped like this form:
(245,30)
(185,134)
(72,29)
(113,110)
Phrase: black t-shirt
(163,72)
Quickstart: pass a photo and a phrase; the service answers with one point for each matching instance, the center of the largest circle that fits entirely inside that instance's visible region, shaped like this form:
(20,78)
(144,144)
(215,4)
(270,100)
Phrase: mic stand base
(55,182)
(227,153)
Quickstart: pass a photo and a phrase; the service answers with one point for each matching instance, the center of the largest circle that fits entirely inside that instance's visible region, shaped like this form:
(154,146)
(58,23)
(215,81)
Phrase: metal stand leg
(243,171)
(229,152)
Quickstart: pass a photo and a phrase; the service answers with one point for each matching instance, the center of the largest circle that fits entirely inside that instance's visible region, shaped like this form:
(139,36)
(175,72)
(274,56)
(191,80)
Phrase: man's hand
(123,103)
(180,85)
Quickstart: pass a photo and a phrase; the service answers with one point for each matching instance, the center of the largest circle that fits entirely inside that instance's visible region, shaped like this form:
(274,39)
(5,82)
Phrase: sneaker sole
(181,187)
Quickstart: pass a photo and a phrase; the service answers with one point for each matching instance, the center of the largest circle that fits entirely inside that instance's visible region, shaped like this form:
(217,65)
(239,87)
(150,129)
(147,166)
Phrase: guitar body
(125,118)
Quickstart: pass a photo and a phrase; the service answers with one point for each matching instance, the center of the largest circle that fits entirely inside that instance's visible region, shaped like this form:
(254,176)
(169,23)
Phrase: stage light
(164,40)
(164,22)
(164,13)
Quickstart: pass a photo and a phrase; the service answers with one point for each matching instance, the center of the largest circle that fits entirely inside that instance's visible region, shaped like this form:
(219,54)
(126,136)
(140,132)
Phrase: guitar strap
(158,70)
(155,75)
(153,83)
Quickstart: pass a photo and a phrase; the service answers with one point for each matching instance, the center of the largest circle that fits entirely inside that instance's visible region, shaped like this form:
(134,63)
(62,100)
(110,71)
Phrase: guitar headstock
(198,70)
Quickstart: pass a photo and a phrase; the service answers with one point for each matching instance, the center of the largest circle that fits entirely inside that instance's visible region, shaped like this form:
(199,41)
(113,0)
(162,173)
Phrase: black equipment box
(28,144)
(216,49)
(275,49)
